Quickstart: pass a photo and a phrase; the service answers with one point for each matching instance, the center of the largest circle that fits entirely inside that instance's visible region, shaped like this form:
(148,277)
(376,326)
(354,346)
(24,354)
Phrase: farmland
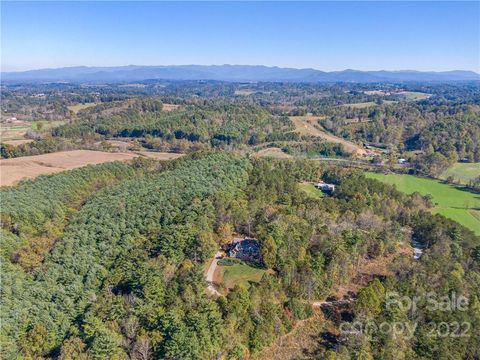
(462,172)
(17,131)
(111,258)
(453,202)
(27,167)
(13,132)
(17,142)
(365,105)
(77,107)
(244,92)
(306,125)
(414,95)
(273,152)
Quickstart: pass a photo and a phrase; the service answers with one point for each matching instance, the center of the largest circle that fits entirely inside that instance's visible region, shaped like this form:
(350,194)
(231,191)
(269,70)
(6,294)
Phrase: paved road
(209,277)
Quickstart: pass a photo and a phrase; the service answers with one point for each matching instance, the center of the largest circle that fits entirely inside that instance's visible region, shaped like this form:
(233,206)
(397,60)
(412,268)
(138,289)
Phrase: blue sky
(323,35)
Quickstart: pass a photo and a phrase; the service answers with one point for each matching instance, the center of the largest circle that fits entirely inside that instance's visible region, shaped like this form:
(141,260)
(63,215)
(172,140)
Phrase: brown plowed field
(28,167)
(305,125)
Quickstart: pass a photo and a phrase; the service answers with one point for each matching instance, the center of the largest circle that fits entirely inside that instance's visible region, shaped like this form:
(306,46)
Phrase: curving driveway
(210,272)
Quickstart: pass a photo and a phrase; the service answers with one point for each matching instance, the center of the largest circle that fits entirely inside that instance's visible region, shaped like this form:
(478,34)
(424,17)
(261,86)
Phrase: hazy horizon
(326,36)
(268,66)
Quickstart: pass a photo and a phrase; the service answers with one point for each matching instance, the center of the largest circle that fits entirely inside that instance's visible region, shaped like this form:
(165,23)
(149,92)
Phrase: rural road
(211,270)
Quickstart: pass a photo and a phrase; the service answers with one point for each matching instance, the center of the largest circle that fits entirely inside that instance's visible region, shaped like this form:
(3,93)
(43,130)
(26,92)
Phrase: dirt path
(331,302)
(302,338)
(210,272)
(305,125)
(304,335)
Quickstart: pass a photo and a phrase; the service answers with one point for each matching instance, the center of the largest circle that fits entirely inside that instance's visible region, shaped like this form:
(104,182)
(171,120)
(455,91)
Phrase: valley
(240,180)
(118,206)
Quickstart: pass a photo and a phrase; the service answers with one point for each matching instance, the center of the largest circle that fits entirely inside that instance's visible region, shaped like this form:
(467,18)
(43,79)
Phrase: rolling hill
(227,73)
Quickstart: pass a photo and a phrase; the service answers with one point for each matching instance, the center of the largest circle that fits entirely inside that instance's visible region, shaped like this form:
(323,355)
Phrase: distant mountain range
(239,73)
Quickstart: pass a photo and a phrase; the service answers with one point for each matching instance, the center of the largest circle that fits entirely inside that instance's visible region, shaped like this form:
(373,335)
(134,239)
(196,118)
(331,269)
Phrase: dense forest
(108,261)
(218,124)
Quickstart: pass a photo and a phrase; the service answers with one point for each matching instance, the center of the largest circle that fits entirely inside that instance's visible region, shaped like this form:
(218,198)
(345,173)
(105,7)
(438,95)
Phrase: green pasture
(453,202)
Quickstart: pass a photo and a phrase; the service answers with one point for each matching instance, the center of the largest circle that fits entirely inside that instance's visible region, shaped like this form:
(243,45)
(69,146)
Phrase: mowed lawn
(462,172)
(232,275)
(310,190)
(453,202)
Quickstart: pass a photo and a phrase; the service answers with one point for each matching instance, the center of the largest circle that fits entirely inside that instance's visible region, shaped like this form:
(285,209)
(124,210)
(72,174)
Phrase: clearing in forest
(169,107)
(27,167)
(77,107)
(244,92)
(414,95)
(235,274)
(364,105)
(453,202)
(310,190)
(306,125)
(273,152)
(303,342)
(17,131)
(462,172)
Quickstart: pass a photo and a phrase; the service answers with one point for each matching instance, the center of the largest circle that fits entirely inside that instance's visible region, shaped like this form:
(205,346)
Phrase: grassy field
(450,201)
(232,275)
(365,105)
(17,131)
(462,172)
(306,125)
(310,190)
(415,95)
(273,152)
(77,107)
(245,92)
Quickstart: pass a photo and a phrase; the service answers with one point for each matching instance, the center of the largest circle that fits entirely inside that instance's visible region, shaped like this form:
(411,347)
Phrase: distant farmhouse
(245,249)
(326,188)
